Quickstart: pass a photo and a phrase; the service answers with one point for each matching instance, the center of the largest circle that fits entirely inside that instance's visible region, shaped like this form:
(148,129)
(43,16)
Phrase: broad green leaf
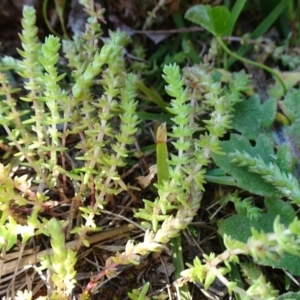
(216,20)
(239,228)
(248,181)
(289,296)
(291,104)
(288,154)
(285,160)
(292,134)
(250,116)
(267,112)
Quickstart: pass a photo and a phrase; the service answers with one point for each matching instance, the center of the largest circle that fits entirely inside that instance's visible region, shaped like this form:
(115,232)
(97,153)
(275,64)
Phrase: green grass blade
(262,28)
(235,12)
(152,95)
(162,154)
(163,175)
(162,118)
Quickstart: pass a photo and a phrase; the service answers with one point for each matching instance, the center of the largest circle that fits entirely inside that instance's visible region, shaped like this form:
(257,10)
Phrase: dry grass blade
(30,257)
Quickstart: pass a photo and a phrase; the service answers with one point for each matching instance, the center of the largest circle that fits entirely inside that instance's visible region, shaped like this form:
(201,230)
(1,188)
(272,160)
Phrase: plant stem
(248,61)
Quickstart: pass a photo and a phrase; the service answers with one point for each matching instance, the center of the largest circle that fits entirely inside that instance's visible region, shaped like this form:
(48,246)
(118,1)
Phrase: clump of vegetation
(77,130)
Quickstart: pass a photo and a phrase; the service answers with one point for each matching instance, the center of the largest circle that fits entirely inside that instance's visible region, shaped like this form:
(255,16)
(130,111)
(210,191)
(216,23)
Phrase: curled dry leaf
(144,181)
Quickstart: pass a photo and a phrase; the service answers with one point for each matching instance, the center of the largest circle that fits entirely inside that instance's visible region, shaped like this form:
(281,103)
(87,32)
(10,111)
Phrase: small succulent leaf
(210,278)
(11,239)
(216,20)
